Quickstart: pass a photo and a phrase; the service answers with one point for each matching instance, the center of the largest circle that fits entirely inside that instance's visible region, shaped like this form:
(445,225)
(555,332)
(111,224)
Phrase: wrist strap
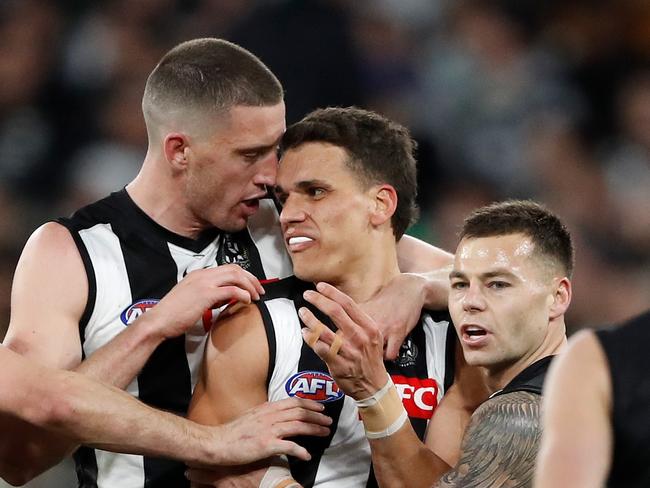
(383,413)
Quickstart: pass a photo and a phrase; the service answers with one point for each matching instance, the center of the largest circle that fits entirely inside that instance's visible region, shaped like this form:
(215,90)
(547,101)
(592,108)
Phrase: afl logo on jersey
(136,309)
(313,385)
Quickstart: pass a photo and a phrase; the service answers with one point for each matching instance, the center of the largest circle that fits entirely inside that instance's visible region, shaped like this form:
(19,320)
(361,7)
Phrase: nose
(267,171)
(292,211)
(473,300)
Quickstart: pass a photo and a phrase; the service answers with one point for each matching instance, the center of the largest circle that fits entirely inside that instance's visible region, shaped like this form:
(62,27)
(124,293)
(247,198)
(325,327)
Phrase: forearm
(119,361)
(402,460)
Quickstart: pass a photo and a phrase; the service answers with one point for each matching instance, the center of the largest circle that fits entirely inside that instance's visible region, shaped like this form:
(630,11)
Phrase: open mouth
(473,334)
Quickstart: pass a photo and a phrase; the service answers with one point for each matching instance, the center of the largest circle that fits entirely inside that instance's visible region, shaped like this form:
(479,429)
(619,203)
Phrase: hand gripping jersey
(131,263)
(422,373)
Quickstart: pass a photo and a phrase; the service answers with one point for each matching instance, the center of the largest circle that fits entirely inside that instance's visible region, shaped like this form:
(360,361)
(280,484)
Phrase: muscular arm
(500,445)
(49,296)
(577,441)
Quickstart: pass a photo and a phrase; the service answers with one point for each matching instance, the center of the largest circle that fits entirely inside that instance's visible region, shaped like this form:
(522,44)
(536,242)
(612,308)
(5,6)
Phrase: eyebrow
(304,185)
(259,148)
(490,274)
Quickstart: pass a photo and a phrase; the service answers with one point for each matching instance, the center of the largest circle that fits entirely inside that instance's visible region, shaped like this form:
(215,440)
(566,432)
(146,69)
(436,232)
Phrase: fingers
(392,348)
(316,334)
(351,308)
(297,427)
(292,449)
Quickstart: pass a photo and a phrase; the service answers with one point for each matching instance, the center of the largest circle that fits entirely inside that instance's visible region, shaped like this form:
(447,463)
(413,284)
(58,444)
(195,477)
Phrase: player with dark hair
(347,184)
(128,285)
(510,289)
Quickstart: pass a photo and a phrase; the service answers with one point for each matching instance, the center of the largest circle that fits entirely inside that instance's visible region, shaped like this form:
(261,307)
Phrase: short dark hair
(380,151)
(212,75)
(548,233)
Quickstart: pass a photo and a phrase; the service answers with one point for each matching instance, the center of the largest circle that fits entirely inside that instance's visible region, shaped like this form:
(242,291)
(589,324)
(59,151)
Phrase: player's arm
(423,283)
(577,442)
(108,418)
(399,458)
(49,296)
(452,416)
(501,444)
(233,379)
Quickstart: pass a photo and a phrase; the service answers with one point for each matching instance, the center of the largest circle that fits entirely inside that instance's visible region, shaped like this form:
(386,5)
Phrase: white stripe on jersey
(436,337)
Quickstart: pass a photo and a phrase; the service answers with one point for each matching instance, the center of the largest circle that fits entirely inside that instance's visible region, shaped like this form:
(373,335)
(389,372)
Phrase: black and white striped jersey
(131,263)
(422,373)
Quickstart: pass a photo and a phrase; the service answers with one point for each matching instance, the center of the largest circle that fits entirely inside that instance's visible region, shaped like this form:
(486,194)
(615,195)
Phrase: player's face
(229,171)
(325,212)
(499,300)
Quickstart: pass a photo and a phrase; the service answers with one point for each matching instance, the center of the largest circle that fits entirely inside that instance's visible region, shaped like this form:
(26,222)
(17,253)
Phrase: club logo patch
(136,309)
(408,353)
(233,252)
(313,385)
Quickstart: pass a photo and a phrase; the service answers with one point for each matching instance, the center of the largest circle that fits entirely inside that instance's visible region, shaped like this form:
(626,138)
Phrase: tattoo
(500,445)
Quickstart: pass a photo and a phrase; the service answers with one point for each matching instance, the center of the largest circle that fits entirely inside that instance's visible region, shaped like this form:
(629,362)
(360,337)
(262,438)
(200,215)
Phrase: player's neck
(161,198)
(376,268)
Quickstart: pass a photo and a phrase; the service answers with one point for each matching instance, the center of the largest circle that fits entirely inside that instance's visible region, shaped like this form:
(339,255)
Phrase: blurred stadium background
(543,99)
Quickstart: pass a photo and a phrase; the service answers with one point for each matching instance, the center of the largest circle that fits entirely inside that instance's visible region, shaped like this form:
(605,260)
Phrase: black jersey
(626,348)
(530,379)
(131,262)
(421,373)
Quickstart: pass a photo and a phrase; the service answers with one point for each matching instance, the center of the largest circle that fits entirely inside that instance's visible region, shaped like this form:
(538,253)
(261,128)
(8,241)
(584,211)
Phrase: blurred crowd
(542,99)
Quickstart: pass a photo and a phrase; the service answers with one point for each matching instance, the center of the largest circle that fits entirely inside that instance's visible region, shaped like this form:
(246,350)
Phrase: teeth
(299,240)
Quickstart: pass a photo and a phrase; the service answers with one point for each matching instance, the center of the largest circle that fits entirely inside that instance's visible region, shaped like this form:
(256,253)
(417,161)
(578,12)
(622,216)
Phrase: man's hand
(357,367)
(396,309)
(261,431)
(199,291)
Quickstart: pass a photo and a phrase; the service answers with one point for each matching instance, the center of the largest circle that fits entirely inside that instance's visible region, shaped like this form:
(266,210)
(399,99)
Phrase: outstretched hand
(354,355)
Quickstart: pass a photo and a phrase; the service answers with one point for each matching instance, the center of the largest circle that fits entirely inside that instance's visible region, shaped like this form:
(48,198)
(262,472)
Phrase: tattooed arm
(500,445)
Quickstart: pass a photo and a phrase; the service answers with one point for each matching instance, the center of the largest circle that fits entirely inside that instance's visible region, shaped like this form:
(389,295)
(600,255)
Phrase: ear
(176,148)
(561,298)
(384,204)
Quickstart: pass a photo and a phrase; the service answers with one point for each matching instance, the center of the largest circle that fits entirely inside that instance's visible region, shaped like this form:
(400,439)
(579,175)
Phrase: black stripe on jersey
(90,275)
(270,336)
(167,369)
(86,467)
(305,471)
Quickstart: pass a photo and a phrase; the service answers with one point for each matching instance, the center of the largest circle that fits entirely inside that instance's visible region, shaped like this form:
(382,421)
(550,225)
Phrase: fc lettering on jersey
(419,395)
(313,385)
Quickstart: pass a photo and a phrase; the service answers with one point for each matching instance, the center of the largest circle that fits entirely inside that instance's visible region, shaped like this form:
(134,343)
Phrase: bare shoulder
(239,338)
(50,281)
(501,443)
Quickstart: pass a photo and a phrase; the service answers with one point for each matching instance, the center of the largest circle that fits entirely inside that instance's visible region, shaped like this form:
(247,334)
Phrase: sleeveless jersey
(627,355)
(421,373)
(530,379)
(132,262)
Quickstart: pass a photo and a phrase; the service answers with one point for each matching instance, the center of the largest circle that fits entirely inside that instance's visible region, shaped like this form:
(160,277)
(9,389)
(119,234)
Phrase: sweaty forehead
(494,251)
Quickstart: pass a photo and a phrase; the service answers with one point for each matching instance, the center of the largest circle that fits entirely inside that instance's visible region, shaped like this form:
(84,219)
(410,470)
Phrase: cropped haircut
(548,233)
(210,75)
(379,151)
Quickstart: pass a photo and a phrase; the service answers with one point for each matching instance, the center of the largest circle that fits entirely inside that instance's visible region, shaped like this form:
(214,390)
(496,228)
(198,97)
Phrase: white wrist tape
(383,413)
(278,477)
